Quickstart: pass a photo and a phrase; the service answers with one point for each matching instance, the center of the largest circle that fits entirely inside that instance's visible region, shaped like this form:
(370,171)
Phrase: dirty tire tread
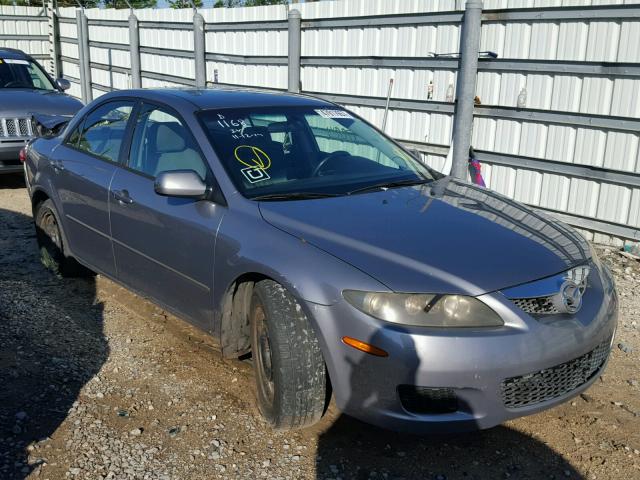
(298,365)
(53,258)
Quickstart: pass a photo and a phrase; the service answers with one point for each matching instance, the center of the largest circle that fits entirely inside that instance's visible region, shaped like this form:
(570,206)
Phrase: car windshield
(18,73)
(297,152)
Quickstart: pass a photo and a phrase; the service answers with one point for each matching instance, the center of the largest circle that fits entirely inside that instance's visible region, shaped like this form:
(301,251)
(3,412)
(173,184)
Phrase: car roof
(13,53)
(226,97)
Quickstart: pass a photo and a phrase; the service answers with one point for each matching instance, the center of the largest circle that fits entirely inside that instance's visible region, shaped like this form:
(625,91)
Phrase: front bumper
(473,364)
(9,154)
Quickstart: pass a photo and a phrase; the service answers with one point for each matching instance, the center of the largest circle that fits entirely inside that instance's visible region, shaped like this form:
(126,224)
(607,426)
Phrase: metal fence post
(83,53)
(466,86)
(295,40)
(199,50)
(134,51)
(54,40)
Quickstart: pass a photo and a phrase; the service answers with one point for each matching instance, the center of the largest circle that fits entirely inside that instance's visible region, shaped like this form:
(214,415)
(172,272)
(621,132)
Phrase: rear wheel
(290,373)
(51,245)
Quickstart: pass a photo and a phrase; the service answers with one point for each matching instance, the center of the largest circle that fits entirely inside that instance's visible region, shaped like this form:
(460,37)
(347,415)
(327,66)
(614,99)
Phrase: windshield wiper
(295,196)
(391,184)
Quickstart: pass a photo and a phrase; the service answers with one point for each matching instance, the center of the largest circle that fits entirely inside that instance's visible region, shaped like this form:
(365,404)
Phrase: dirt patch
(97,383)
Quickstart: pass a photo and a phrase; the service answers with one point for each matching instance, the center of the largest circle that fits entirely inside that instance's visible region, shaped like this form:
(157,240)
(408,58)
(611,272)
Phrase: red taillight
(23,155)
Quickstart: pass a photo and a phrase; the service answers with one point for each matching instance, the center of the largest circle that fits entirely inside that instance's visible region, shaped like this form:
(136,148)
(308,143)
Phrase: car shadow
(351,449)
(11,180)
(51,344)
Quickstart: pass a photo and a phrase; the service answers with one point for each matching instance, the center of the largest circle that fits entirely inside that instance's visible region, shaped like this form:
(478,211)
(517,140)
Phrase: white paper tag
(254,174)
(16,61)
(333,113)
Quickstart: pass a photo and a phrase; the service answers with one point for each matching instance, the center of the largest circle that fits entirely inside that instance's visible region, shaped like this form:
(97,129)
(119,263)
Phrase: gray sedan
(294,231)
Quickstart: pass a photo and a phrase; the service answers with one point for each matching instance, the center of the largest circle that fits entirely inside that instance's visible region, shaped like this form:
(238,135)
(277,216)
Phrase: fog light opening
(428,400)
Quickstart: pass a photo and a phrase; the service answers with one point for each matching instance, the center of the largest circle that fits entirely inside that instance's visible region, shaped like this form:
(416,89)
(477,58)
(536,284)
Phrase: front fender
(247,244)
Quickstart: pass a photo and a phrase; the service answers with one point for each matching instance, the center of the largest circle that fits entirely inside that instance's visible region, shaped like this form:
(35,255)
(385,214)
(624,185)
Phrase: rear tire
(51,245)
(290,372)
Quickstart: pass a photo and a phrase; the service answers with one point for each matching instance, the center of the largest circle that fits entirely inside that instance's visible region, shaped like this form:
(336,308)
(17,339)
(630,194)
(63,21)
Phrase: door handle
(122,196)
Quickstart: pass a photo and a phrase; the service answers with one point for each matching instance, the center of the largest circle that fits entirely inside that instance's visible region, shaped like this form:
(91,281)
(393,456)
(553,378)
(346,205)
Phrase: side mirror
(180,183)
(63,84)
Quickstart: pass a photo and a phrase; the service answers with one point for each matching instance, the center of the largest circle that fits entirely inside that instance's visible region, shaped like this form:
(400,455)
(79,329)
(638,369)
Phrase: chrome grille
(24,126)
(555,287)
(553,382)
(537,305)
(15,127)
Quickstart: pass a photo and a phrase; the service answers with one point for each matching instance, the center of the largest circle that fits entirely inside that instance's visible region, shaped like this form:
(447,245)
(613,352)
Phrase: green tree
(134,3)
(226,3)
(73,3)
(61,3)
(257,3)
(247,3)
(184,3)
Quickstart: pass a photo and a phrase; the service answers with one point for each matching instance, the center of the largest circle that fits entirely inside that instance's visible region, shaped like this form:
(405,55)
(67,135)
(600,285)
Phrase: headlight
(424,310)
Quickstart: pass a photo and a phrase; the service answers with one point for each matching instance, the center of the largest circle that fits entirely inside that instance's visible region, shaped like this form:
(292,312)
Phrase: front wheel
(51,246)
(291,383)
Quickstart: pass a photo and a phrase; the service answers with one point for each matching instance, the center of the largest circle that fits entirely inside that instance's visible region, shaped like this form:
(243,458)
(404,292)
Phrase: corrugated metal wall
(25,28)
(616,94)
(571,147)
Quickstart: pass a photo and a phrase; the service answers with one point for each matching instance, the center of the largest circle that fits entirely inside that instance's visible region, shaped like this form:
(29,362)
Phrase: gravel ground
(97,383)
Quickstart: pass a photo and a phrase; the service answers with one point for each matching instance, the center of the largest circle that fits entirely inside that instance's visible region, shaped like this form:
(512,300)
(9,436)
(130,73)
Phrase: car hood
(22,102)
(443,237)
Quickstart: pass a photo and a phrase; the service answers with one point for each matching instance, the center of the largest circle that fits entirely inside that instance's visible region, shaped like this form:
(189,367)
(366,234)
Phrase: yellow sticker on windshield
(256,162)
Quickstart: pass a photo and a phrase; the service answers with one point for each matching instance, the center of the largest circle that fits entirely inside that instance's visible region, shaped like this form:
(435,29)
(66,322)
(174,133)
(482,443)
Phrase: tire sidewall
(51,255)
(297,364)
(267,408)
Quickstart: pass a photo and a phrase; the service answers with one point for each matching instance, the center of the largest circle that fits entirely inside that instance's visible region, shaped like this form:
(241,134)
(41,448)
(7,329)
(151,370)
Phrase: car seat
(173,151)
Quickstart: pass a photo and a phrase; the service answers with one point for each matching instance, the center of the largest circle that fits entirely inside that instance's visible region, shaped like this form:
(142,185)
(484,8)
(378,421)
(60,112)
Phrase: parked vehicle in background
(293,230)
(26,90)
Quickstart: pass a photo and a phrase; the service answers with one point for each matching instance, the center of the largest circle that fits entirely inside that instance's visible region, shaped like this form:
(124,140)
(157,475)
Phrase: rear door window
(162,143)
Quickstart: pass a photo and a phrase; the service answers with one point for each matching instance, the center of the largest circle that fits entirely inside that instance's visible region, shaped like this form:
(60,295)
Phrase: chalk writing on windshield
(238,127)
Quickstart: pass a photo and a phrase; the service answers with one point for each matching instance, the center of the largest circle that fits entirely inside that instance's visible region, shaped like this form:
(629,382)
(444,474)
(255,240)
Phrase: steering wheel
(325,160)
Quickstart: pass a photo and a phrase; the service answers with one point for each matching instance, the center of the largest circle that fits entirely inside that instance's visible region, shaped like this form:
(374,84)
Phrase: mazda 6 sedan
(302,237)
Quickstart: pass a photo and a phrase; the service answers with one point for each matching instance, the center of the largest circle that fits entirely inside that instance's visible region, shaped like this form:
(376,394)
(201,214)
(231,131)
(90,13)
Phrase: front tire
(291,383)
(51,246)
